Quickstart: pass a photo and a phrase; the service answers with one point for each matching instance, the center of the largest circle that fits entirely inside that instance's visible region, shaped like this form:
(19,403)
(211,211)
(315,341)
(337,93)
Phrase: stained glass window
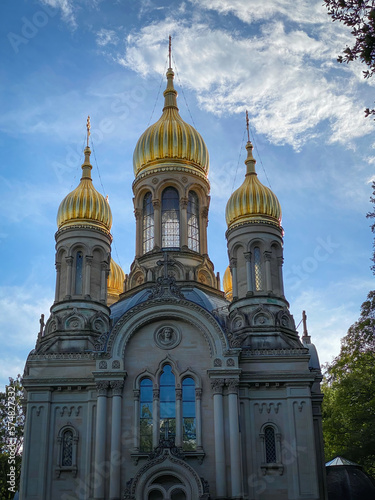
(167,403)
(170,218)
(193,222)
(270,444)
(148,223)
(78,280)
(146,415)
(188,414)
(67,449)
(258,270)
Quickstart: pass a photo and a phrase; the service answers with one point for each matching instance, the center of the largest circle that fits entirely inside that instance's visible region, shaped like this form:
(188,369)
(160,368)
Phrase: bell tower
(171,200)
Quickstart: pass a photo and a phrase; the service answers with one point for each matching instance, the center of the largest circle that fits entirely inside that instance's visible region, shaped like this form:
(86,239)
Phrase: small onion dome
(252,202)
(115,282)
(85,205)
(170,140)
(227,284)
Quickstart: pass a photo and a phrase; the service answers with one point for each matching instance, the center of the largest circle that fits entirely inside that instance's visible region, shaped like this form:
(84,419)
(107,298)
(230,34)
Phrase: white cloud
(105,37)
(280,76)
(66,8)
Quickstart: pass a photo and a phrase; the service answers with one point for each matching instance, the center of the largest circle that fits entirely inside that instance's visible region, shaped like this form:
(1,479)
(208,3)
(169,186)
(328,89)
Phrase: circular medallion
(167,337)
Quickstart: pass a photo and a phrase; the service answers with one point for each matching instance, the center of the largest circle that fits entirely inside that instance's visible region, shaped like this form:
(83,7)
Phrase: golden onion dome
(227,284)
(115,281)
(170,140)
(85,205)
(252,202)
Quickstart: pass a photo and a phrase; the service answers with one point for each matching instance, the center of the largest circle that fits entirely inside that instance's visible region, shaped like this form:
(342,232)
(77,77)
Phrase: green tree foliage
(349,394)
(371,215)
(359,15)
(11,436)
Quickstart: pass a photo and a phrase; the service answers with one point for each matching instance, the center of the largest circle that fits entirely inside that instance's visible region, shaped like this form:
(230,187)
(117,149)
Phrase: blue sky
(65,59)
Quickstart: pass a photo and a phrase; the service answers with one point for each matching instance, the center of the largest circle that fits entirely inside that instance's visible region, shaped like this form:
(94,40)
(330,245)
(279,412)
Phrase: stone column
(115,464)
(69,272)
(280,262)
(267,261)
(183,224)
(234,438)
(103,281)
(178,439)
(203,223)
(157,224)
(87,289)
(100,439)
(249,277)
(233,268)
(138,232)
(136,393)
(198,417)
(221,484)
(155,417)
(58,278)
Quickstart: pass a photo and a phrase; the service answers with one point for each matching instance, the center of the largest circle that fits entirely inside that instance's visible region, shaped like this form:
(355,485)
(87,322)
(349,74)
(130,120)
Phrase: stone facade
(172,392)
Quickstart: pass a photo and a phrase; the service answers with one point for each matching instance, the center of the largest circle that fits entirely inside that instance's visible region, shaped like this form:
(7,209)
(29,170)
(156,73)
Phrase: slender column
(221,486)
(233,268)
(183,225)
(138,232)
(88,276)
(280,262)
(234,437)
(249,277)
(155,419)
(157,224)
(115,470)
(203,231)
(69,272)
(100,438)
(267,260)
(178,440)
(103,281)
(136,393)
(198,417)
(58,278)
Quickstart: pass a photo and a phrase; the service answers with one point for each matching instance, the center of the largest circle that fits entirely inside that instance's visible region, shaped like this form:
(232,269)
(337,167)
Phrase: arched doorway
(166,487)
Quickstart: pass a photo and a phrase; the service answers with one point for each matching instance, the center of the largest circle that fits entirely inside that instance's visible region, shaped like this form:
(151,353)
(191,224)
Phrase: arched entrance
(166,487)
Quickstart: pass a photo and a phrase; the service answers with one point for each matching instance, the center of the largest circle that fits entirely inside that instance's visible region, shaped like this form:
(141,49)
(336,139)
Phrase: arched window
(258,278)
(148,223)
(193,222)
(170,218)
(188,414)
(67,448)
(167,403)
(78,277)
(270,445)
(145,415)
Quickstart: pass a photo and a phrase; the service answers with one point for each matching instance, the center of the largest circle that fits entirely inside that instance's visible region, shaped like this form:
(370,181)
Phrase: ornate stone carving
(102,387)
(155,393)
(217,362)
(155,180)
(117,386)
(137,213)
(103,365)
(198,393)
(167,337)
(101,343)
(232,384)
(178,394)
(230,362)
(116,364)
(217,385)
(165,287)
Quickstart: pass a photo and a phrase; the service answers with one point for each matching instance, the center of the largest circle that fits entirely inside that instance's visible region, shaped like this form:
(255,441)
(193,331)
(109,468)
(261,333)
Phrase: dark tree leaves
(359,15)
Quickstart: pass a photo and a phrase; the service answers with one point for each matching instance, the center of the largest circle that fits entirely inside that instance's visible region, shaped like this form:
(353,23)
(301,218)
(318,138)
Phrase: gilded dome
(85,205)
(252,202)
(227,284)
(170,140)
(115,282)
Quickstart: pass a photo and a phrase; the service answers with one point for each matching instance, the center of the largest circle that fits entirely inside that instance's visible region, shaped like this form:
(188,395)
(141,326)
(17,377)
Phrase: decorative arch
(67,439)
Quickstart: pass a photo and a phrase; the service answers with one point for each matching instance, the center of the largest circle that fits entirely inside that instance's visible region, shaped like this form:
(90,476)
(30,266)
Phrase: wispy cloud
(105,37)
(67,10)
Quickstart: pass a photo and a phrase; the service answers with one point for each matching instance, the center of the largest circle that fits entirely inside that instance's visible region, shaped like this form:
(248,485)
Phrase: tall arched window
(78,277)
(148,224)
(170,218)
(193,222)
(145,415)
(258,278)
(270,445)
(67,448)
(188,414)
(167,403)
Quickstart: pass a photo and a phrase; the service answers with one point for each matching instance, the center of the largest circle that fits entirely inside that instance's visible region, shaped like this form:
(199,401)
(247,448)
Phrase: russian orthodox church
(156,384)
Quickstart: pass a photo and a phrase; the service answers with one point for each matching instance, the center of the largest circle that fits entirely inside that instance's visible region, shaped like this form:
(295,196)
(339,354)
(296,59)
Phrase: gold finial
(247,126)
(88,126)
(170,51)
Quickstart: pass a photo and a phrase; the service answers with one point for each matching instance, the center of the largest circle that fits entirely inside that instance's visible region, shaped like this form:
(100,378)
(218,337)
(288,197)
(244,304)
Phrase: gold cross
(247,126)
(88,126)
(170,51)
